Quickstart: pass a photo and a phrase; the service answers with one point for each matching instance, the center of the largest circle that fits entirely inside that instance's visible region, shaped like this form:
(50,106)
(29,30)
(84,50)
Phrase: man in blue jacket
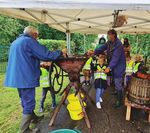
(116,62)
(23,72)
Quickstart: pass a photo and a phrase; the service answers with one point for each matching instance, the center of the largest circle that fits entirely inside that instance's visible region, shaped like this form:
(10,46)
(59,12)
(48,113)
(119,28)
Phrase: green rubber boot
(26,120)
(119,101)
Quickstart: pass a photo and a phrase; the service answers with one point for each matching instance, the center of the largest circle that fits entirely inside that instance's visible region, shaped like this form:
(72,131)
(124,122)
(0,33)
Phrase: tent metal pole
(84,41)
(68,38)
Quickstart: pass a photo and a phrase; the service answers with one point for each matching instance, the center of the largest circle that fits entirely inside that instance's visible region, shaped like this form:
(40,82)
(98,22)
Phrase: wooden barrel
(139,91)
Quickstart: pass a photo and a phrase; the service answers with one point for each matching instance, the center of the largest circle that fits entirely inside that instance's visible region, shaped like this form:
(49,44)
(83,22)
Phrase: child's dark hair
(128,54)
(102,55)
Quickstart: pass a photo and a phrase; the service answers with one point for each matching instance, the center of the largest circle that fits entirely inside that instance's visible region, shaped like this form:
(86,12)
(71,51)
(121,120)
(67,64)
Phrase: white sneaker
(100,99)
(98,105)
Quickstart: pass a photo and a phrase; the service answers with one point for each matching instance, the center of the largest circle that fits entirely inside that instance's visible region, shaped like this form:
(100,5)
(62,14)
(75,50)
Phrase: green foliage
(54,44)
(8,30)
(78,39)
(11,28)
(139,44)
(48,33)
(90,39)
(4,52)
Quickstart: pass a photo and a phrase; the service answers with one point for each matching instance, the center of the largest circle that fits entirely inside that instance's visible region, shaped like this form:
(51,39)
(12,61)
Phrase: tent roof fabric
(77,4)
(88,17)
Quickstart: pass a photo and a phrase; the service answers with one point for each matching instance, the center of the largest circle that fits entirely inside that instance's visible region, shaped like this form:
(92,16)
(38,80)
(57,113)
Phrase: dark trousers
(127,80)
(44,93)
(118,84)
(27,96)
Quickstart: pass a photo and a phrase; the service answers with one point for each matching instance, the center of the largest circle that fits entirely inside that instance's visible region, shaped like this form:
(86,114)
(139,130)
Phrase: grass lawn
(10,108)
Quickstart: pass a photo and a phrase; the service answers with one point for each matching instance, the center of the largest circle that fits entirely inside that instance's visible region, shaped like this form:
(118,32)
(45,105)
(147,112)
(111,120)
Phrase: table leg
(83,109)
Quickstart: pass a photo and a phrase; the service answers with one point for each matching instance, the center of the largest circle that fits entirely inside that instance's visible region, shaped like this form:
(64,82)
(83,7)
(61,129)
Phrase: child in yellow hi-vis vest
(129,70)
(138,65)
(87,69)
(100,79)
(45,85)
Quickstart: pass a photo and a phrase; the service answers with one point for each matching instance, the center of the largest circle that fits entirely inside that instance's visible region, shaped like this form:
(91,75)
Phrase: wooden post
(54,115)
(128,113)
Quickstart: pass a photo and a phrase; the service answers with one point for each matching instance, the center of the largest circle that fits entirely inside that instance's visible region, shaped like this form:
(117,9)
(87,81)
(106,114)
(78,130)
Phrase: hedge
(54,44)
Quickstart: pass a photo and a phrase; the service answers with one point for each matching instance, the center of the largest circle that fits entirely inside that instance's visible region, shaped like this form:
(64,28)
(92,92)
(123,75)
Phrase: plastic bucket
(75,111)
(72,98)
(64,131)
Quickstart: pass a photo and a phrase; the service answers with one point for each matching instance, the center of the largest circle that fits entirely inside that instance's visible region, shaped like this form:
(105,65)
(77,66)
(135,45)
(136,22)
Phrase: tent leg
(84,36)
(68,35)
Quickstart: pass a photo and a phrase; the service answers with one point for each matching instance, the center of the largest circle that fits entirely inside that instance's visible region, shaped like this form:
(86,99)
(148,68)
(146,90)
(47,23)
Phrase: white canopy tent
(84,16)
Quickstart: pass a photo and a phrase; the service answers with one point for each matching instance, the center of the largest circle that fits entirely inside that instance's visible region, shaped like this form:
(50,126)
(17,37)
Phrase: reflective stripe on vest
(44,78)
(101,75)
(135,69)
(87,65)
(129,67)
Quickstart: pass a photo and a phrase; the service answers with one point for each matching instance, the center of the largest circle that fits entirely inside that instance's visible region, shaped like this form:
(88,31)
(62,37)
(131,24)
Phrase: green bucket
(65,131)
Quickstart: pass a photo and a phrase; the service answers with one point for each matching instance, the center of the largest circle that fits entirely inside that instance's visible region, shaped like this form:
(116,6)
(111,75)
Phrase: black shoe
(35,130)
(36,119)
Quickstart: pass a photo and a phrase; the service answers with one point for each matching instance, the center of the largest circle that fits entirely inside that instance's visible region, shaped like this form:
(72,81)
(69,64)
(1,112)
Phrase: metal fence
(3,67)
(4,49)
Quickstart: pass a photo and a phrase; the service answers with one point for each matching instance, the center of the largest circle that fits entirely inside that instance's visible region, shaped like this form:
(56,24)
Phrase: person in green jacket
(102,41)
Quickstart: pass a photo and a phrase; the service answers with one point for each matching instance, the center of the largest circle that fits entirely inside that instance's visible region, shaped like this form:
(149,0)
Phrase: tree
(8,30)
(11,28)
(139,44)
(49,33)
(78,40)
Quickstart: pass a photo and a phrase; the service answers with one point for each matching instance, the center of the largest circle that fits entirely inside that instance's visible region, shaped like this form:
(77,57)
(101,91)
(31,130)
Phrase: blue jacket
(117,61)
(23,69)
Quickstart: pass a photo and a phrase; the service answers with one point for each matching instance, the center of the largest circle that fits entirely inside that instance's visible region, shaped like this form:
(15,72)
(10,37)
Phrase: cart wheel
(55,78)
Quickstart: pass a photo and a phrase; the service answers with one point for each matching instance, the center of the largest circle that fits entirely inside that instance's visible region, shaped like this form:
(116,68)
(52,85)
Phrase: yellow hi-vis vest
(87,65)
(136,66)
(102,75)
(129,67)
(44,78)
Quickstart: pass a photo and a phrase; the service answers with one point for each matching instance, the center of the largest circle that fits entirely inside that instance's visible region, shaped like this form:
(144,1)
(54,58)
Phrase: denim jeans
(99,93)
